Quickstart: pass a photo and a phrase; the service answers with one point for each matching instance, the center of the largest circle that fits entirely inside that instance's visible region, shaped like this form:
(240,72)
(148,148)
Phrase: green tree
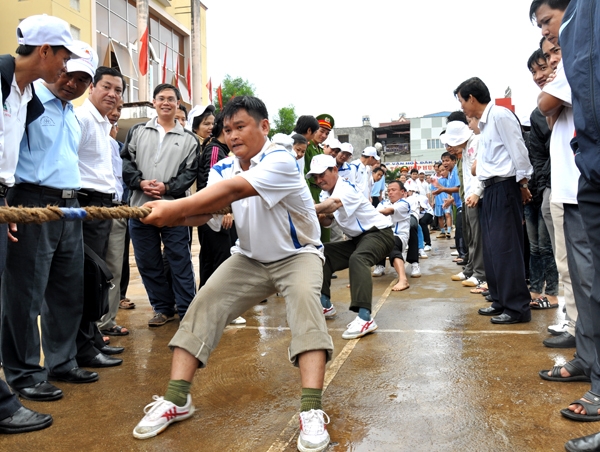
(391,175)
(284,121)
(232,87)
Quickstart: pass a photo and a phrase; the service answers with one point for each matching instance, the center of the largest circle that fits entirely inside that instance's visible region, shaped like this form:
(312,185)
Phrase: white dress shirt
(502,151)
(95,150)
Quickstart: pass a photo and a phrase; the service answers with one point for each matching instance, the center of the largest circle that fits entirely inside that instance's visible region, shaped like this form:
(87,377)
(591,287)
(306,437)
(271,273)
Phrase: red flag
(189,78)
(209,87)
(415,165)
(177,72)
(220,96)
(164,68)
(143,53)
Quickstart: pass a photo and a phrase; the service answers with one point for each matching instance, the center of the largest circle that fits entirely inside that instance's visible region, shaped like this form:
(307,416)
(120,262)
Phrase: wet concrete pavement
(435,376)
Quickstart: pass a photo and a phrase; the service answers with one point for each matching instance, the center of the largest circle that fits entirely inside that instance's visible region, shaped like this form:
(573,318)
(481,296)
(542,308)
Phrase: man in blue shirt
(45,264)
(379,185)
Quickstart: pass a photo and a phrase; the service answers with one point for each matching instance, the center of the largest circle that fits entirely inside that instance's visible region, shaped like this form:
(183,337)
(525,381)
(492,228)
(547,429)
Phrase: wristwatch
(524,185)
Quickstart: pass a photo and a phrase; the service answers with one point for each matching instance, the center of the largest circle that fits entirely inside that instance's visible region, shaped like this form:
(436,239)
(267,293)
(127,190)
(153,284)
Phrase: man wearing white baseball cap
(362,170)
(370,239)
(21,106)
(47,173)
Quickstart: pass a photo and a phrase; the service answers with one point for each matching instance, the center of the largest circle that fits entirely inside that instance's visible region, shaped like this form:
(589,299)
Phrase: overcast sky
(377,57)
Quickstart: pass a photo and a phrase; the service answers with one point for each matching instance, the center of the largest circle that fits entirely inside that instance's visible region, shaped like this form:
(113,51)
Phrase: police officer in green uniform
(326,123)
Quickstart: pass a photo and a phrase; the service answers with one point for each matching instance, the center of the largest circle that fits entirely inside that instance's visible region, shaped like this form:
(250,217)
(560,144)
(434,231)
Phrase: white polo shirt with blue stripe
(357,214)
(282,220)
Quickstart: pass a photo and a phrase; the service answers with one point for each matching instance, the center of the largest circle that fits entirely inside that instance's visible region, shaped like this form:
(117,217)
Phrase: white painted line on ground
(289,432)
(391,330)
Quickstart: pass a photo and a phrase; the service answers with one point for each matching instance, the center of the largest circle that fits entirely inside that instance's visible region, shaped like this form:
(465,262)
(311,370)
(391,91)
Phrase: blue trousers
(147,240)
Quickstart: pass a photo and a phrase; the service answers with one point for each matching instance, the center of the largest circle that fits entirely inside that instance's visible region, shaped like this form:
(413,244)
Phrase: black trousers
(43,277)
(215,248)
(425,221)
(9,403)
(501,219)
(588,198)
(95,235)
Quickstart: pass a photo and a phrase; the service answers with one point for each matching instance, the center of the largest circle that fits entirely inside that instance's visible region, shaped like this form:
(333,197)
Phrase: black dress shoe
(490,311)
(505,319)
(111,350)
(485,293)
(41,392)
(101,360)
(590,443)
(75,375)
(489,298)
(565,340)
(25,420)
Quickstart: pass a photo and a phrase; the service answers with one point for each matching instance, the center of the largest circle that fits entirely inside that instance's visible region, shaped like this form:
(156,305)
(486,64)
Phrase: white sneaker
(314,436)
(422,254)
(159,415)
(427,248)
(379,271)
(239,321)
(559,329)
(329,313)
(471,282)
(415,270)
(454,253)
(358,328)
(458,277)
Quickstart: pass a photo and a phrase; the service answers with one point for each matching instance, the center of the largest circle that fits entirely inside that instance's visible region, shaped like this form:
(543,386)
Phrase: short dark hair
(165,86)
(26,50)
(299,139)
(399,182)
(458,115)
(475,87)
(552,4)
(104,70)
(306,122)
(253,106)
(414,170)
(379,169)
(448,155)
(183,109)
(218,126)
(535,57)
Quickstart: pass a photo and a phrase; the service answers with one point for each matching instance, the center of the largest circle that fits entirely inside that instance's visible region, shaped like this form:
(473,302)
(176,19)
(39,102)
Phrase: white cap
(319,164)
(198,110)
(43,29)
(457,132)
(347,147)
(334,143)
(88,63)
(370,151)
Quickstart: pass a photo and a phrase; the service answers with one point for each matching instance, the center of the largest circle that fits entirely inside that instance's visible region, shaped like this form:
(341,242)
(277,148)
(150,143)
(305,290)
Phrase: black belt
(495,180)
(96,194)
(3,190)
(47,191)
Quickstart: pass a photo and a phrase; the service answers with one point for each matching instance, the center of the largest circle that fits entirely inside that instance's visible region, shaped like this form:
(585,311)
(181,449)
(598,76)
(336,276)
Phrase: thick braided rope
(39,215)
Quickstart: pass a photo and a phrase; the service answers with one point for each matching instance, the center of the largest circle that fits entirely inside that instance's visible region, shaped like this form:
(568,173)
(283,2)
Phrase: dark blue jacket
(580,43)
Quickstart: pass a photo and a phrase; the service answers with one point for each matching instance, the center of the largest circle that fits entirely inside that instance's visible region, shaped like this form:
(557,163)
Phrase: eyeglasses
(170,100)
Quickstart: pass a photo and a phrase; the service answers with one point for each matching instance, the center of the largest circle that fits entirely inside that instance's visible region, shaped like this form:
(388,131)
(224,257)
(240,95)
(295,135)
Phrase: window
(434,143)
(75,4)
(75,32)
(343,138)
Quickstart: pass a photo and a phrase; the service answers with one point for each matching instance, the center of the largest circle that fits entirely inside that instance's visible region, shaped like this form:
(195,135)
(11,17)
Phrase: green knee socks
(310,399)
(177,392)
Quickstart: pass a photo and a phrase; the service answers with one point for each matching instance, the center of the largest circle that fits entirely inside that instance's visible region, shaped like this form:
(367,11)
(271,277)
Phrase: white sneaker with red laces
(159,415)
(329,312)
(314,436)
(358,328)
